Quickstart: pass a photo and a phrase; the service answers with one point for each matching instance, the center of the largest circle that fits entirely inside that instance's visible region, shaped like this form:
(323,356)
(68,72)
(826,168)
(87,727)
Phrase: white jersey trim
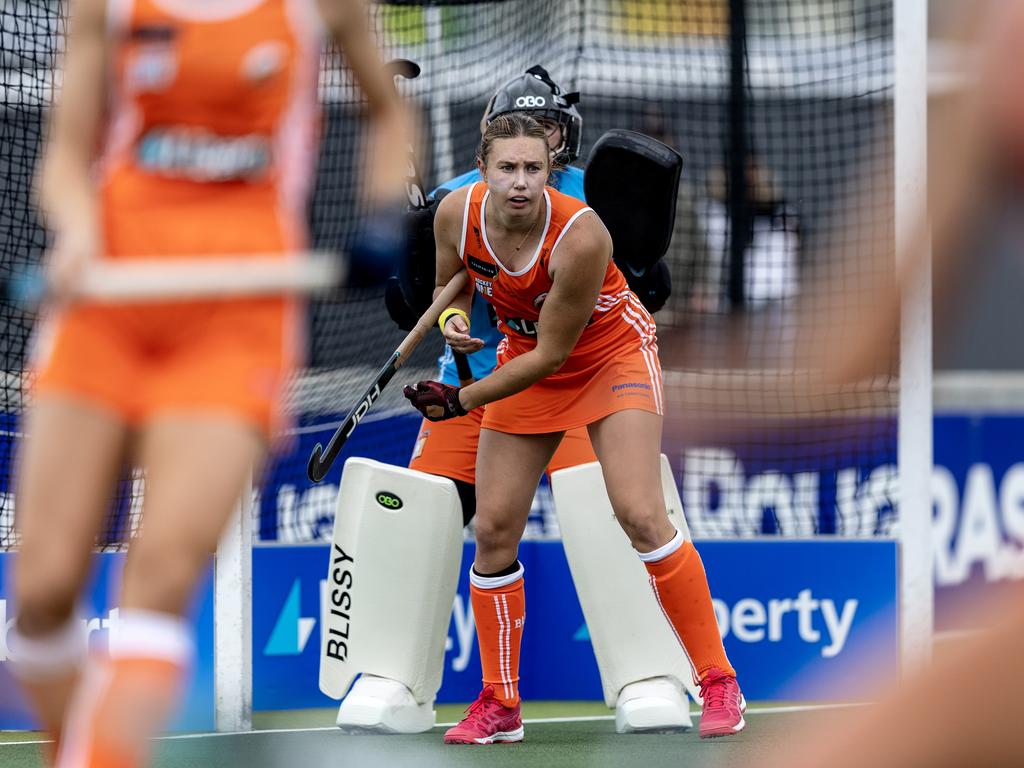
(465,222)
(540,243)
(569,223)
(119,14)
(205,10)
(307,13)
(296,139)
(123,126)
(636,316)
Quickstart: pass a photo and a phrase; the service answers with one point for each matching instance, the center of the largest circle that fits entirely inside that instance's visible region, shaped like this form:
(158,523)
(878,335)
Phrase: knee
(495,533)
(647,526)
(45,597)
(160,578)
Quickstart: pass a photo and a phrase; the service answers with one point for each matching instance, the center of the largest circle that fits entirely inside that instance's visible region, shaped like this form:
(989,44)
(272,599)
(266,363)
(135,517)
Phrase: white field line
(538,720)
(751,711)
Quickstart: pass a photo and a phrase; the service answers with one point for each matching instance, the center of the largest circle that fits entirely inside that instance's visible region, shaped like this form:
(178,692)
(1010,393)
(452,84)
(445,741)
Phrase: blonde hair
(512,125)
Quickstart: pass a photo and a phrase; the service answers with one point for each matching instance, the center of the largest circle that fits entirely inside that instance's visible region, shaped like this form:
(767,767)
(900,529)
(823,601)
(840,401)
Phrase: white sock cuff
(664,550)
(53,654)
(495,582)
(152,635)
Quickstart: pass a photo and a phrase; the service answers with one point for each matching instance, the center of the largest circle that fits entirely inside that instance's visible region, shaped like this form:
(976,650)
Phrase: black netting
(782,111)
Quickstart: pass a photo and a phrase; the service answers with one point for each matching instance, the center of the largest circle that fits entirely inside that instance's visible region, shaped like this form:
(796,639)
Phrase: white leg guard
(395,557)
(643,668)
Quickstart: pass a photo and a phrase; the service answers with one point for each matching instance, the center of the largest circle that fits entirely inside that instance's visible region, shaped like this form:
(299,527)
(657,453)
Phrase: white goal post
(910,97)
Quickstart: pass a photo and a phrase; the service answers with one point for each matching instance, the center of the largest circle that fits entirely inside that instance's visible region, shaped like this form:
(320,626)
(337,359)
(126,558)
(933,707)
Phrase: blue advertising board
(100,613)
(803,629)
(843,481)
(978,497)
(978,535)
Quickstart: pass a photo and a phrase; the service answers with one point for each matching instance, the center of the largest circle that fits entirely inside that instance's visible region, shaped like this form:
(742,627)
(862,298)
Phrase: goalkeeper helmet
(535,93)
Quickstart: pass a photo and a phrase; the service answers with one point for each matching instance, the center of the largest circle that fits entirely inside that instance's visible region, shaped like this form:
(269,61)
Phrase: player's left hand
(436,401)
(456,334)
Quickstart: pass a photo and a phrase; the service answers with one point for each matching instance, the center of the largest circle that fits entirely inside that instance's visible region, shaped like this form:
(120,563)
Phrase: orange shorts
(448,448)
(138,361)
(231,356)
(583,391)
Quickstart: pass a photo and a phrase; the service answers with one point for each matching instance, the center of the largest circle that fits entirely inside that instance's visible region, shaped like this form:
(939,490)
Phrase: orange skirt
(448,448)
(232,356)
(582,392)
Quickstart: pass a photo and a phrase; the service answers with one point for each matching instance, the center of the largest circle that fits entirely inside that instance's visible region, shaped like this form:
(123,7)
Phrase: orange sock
(681,587)
(127,698)
(499,608)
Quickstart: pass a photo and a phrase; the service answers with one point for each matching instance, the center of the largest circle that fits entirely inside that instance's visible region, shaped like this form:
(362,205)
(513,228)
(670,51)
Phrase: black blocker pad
(632,182)
(416,270)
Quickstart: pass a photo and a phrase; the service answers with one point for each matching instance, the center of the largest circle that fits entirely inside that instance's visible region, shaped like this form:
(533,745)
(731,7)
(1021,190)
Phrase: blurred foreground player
(207,116)
(644,682)
(977,144)
(580,350)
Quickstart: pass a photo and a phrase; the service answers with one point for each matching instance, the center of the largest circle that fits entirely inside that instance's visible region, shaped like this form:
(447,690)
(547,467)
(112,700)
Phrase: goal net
(783,112)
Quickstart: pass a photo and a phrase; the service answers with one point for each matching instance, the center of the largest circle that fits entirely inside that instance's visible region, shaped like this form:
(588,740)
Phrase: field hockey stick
(321,459)
(137,279)
(410,70)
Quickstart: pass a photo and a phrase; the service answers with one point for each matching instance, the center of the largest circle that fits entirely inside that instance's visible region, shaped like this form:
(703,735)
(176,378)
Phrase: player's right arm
(66,188)
(392,131)
(447,231)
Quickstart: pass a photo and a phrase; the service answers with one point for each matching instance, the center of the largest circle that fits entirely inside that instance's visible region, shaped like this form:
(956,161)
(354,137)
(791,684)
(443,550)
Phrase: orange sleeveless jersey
(213,128)
(614,365)
(210,148)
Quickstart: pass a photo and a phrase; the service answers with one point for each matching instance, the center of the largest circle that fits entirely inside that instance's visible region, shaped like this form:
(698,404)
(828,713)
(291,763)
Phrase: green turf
(6,736)
(593,744)
(446,713)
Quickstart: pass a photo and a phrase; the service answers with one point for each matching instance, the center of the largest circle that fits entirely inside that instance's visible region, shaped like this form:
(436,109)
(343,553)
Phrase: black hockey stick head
(315,469)
(408,70)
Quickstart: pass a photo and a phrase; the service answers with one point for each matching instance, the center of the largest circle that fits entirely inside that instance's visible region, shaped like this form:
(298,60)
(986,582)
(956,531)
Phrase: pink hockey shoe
(723,705)
(487,721)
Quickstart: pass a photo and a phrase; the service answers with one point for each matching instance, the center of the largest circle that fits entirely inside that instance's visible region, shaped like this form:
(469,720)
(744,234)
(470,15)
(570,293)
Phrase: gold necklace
(528,233)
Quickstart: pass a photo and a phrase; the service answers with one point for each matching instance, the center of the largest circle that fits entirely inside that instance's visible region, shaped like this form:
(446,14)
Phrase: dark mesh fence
(782,112)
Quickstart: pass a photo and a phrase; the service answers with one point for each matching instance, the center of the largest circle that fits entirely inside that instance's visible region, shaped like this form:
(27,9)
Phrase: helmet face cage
(542,99)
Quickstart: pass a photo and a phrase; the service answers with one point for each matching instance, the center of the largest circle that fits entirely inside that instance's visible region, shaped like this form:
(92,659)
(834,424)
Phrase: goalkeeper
(448,448)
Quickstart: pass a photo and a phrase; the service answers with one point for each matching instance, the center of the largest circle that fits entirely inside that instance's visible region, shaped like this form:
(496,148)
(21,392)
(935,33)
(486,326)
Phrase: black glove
(428,396)
(378,248)
(411,290)
(653,286)
(398,306)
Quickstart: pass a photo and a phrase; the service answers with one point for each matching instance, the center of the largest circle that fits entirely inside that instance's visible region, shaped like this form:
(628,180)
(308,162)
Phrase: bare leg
(628,445)
(195,470)
(196,465)
(68,464)
(508,468)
